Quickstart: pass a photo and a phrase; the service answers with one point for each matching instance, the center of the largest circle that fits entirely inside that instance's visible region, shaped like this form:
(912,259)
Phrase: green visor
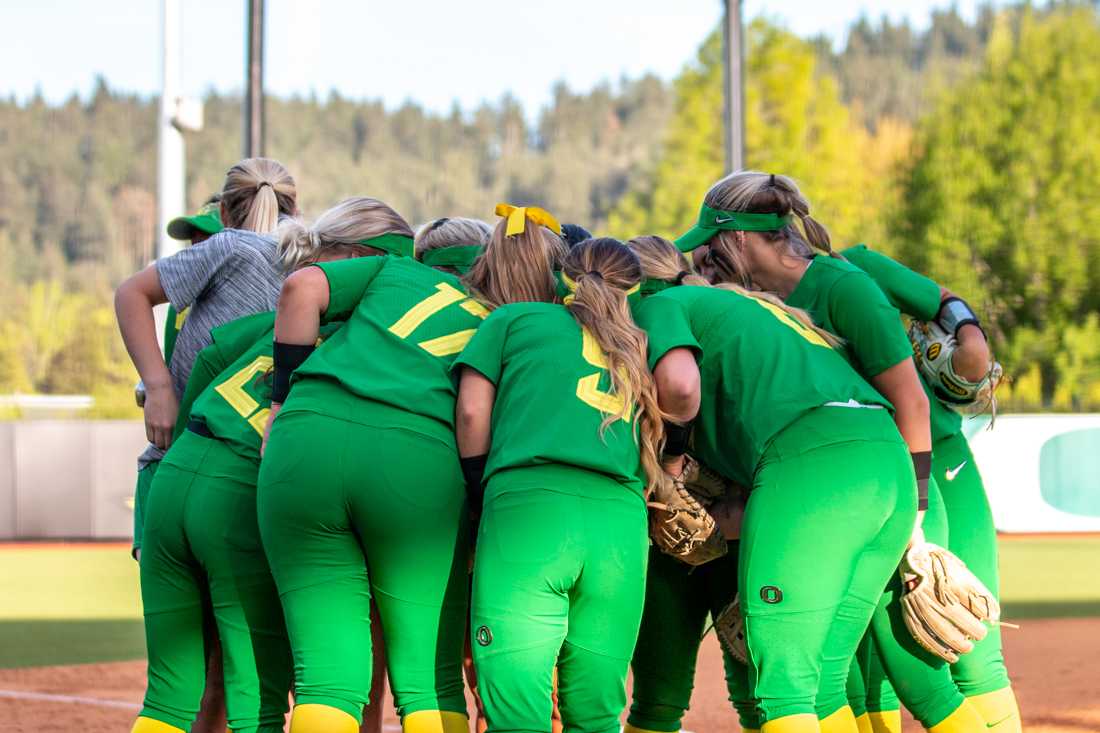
(207,220)
(394,244)
(460,257)
(712,221)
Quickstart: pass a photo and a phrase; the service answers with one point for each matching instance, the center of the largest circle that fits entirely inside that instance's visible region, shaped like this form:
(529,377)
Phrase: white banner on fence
(1042,472)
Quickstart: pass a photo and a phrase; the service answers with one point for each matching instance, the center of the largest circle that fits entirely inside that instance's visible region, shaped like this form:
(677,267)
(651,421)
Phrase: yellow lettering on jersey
(259,420)
(426,308)
(788,320)
(588,387)
(181,317)
(232,389)
(474,308)
(452,343)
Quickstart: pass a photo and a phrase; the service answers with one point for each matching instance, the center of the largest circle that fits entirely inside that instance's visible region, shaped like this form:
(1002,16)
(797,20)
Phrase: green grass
(72,605)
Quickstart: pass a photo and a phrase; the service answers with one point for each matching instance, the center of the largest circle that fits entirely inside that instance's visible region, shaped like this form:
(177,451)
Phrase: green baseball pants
(679,599)
(832,507)
(368,501)
(202,551)
(559,578)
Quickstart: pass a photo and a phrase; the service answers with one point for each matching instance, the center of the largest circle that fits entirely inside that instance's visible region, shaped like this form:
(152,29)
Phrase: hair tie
(314,239)
(265,183)
(438,223)
(679,279)
(772,181)
(594,273)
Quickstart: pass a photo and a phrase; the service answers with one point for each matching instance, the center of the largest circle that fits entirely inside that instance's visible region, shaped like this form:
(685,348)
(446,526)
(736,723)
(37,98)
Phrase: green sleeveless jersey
(553,394)
(845,301)
(405,323)
(918,297)
(761,370)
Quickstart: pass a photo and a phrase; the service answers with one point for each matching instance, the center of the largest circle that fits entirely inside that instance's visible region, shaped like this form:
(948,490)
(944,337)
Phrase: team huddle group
(473,429)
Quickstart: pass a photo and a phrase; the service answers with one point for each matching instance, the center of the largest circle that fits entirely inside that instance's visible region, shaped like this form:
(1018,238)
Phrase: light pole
(254,81)
(170,157)
(734,78)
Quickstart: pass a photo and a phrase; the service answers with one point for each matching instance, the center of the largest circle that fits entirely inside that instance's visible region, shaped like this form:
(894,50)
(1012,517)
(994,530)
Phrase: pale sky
(430,51)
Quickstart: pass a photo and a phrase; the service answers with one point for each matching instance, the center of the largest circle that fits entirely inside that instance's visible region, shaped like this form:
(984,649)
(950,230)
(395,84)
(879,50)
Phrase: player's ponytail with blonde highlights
(661,260)
(256,192)
(339,231)
(600,273)
(517,268)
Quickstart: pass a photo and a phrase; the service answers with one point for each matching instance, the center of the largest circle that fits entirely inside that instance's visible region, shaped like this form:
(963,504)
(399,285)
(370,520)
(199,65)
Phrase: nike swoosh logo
(994,725)
(720,220)
(951,473)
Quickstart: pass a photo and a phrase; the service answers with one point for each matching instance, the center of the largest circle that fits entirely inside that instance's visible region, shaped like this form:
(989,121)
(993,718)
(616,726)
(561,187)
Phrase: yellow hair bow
(518,216)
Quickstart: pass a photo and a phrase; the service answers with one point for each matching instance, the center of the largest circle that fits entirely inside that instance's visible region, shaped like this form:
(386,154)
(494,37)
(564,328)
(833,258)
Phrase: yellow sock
(999,710)
(885,721)
(863,723)
(842,721)
(965,719)
(313,718)
(435,721)
(149,725)
(804,723)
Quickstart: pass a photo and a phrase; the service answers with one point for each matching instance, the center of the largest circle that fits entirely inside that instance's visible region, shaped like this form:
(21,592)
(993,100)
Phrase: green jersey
(918,297)
(236,403)
(553,394)
(761,370)
(844,300)
(405,323)
(227,342)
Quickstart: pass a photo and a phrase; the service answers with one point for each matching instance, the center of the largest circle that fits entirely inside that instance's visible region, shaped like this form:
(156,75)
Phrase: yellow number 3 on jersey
(588,387)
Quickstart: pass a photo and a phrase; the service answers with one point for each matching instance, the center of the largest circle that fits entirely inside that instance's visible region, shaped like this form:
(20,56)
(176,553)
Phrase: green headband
(712,221)
(395,244)
(460,257)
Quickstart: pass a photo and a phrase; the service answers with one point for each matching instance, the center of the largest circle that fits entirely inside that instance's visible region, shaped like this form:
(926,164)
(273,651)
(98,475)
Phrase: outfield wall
(75,479)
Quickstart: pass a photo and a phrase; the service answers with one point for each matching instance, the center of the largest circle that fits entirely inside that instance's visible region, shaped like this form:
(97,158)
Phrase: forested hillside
(967,149)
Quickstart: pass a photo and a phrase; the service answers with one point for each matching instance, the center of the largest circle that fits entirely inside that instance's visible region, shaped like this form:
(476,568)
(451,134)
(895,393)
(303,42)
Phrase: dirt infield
(1055,665)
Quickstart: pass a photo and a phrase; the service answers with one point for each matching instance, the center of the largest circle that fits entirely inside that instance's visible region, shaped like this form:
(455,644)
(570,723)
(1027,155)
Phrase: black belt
(198,427)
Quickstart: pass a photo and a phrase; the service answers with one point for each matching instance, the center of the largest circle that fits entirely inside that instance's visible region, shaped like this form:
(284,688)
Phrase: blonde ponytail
(340,230)
(257,191)
(660,260)
(603,270)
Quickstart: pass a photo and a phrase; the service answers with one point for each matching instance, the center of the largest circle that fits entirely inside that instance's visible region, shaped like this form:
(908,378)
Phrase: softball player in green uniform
(833,498)
(360,489)
(203,546)
(678,597)
(980,674)
(557,418)
(774,255)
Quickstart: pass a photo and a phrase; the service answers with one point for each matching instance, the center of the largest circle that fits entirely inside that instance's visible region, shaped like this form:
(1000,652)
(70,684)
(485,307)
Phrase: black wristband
(287,358)
(473,471)
(677,438)
(954,313)
(922,467)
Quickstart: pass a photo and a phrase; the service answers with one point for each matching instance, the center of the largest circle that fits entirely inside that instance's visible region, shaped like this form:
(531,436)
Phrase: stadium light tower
(254,81)
(734,86)
(170,157)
